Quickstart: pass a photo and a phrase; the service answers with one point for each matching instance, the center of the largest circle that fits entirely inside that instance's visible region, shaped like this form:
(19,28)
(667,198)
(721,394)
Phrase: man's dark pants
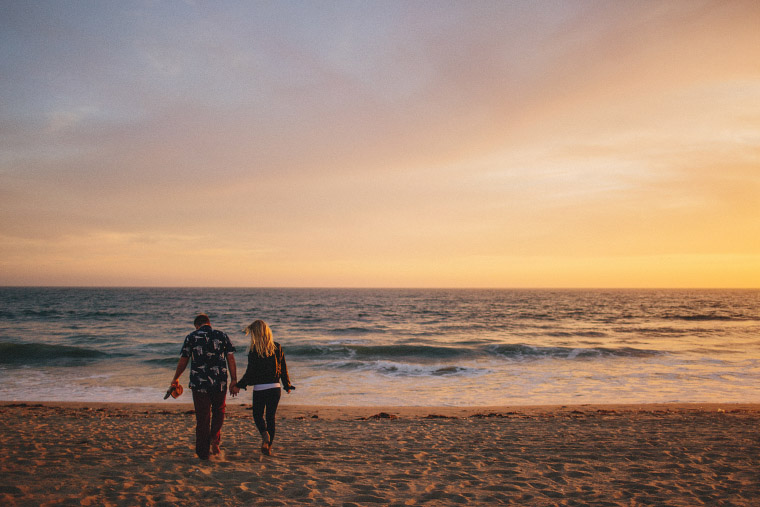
(209,418)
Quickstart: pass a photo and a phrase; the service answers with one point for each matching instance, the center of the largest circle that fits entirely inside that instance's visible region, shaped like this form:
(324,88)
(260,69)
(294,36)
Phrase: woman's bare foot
(265,444)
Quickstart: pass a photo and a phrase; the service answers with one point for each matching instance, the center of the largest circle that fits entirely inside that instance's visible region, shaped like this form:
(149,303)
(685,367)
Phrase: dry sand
(117,454)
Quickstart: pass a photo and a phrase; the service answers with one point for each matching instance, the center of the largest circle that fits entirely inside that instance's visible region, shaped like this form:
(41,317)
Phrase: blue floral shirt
(207,349)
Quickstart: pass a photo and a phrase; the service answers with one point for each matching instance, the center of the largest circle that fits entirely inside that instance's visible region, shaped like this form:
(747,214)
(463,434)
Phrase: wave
(19,314)
(659,331)
(59,314)
(356,330)
(370,352)
(430,352)
(708,317)
(42,353)
(398,369)
(163,361)
(161,348)
(571,334)
(519,351)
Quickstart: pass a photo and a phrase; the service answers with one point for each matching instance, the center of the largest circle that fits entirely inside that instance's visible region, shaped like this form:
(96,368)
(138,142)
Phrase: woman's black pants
(266,401)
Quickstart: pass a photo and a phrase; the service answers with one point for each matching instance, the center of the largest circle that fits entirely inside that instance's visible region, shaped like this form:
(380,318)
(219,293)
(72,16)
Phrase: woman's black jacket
(266,370)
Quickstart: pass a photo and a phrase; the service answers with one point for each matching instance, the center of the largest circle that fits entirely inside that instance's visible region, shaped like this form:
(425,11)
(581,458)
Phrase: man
(211,352)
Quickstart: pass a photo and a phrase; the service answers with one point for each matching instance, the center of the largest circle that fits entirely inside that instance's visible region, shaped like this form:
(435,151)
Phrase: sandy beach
(132,454)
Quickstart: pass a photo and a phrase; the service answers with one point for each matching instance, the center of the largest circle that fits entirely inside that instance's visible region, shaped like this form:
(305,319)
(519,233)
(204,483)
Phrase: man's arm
(233,373)
(181,365)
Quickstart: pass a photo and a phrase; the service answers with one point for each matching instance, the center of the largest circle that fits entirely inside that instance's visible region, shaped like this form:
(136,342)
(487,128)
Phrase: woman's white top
(263,387)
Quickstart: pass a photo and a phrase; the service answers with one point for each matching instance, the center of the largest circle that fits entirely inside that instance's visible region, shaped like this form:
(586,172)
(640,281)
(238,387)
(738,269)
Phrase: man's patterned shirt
(208,351)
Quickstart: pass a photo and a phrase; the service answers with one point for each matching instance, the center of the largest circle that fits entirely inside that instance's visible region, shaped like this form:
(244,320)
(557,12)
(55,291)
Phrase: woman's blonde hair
(261,338)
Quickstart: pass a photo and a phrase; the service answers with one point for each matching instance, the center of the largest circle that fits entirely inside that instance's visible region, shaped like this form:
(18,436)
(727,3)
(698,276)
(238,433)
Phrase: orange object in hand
(174,391)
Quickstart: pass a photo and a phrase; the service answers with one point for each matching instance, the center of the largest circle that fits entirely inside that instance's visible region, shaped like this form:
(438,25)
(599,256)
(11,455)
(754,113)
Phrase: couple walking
(210,354)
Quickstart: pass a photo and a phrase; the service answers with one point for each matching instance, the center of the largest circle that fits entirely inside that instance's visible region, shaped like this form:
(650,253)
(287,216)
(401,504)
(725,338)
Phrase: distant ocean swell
(43,354)
(442,319)
(51,314)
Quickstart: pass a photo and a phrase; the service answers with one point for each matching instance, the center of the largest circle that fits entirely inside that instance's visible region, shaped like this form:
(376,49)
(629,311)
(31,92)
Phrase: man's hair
(201,319)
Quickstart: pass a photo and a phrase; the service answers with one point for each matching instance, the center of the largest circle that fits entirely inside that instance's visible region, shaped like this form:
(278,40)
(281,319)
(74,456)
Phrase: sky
(429,143)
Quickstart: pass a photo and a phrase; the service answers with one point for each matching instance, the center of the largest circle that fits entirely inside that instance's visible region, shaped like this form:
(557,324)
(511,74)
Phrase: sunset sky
(380,143)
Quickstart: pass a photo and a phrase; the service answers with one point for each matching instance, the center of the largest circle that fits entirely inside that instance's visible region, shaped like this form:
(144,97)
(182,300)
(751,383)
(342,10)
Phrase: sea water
(366,347)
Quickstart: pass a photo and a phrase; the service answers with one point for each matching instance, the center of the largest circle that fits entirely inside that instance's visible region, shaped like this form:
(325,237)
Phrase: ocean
(410,347)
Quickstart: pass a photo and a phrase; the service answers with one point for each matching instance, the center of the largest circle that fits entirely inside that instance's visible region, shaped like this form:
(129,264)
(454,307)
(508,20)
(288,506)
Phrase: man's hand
(234,390)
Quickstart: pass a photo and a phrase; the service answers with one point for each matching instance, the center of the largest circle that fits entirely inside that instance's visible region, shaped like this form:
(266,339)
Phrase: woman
(266,368)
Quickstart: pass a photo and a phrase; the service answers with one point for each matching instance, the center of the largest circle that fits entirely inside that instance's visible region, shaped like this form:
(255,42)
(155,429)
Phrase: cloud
(404,137)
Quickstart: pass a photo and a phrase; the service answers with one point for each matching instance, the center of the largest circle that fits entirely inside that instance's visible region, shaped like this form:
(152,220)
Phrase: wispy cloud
(397,143)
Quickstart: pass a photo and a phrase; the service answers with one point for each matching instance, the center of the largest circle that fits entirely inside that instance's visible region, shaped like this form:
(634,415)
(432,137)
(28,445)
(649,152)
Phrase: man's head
(201,320)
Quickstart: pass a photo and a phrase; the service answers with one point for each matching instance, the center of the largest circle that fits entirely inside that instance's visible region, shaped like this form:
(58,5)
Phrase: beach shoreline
(73,453)
(359,412)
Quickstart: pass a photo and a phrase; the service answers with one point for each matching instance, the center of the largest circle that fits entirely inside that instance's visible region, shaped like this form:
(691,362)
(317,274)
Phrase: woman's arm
(233,373)
(247,378)
(284,372)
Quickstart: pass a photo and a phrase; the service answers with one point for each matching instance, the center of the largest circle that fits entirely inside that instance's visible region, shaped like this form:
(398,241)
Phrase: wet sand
(132,454)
